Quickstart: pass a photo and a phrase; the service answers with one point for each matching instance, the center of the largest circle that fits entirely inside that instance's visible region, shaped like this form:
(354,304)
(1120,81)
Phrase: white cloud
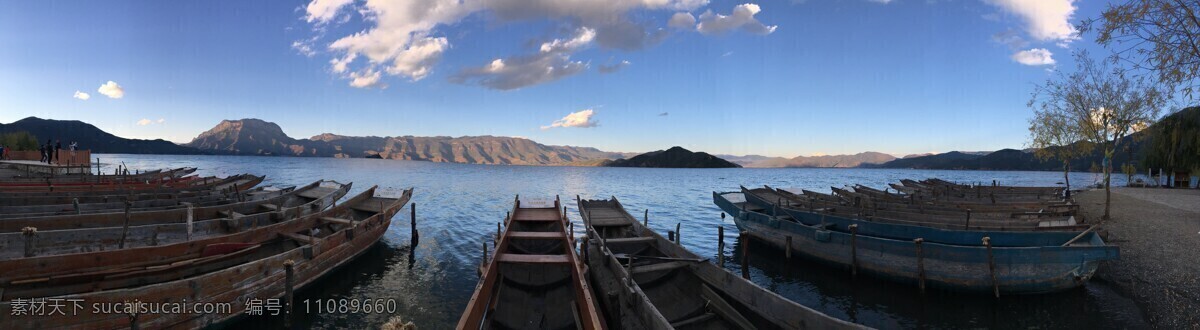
(321,11)
(552,62)
(112,90)
(612,68)
(1046,20)
(584,37)
(1036,56)
(81,95)
(401,37)
(742,18)
(682,21)
(581,119)
(148,122)
(366,79)
(881,1)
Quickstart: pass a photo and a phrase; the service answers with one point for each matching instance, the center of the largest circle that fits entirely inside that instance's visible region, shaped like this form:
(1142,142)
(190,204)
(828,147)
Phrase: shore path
(1158,231)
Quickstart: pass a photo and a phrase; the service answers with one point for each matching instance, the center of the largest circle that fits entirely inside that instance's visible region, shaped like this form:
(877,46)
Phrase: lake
(458,207)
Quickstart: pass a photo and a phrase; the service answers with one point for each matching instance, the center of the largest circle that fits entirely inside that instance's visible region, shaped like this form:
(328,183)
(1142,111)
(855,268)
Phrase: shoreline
(1159,268)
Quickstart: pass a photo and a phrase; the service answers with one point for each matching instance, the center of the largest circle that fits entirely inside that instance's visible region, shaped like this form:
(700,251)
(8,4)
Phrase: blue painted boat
(756,203)
(926,262)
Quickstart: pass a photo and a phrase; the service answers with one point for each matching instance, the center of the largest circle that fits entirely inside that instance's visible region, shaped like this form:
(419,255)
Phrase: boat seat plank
(695,320)
(629,240)
(608,221)
(337,220)
(727,311)
(271,207)
(298,237)
(659,267)
(534,258)
(537,215)
(535,235)
(373,204)
(316,192)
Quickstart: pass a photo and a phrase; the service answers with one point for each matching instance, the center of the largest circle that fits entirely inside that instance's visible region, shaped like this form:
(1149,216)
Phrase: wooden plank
(720,306)
(298,237)
(271,207)
(659,267)
(534,258)
(629,240)
(337,220)
(537,215)
(535,235)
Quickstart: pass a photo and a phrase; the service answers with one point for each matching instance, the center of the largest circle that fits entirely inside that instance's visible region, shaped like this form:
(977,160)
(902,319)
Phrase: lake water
(459,205)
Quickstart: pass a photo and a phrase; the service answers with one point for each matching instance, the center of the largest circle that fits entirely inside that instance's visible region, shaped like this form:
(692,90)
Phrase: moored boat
(648,282)
(534,280)
(985,267)
(271,266)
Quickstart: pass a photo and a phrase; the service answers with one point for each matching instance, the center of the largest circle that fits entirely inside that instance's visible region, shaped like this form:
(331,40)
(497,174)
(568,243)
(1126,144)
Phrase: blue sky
(780,78)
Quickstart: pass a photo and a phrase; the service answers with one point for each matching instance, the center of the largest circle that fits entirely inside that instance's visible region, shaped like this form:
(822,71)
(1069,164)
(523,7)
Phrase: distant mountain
(91,138)
(854,160)
(258,137)
(748,160)
(676,157)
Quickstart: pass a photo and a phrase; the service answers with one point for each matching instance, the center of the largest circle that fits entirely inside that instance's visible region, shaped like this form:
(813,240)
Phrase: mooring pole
(497,239)
(76,203)
(721,244)
(412,215)
(788,248)
(987,242)
(678,234)
(854,250)
(646,218)
(125,226)
(744,237)
(30,233)
(920,263)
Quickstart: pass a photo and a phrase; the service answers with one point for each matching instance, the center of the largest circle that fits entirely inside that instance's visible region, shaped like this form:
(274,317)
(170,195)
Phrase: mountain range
(258,137)
(675,157)
(854,160)
(90,137)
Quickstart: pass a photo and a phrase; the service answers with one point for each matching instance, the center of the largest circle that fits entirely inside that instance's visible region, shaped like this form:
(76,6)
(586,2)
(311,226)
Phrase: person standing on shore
(57,147)
(74,145)
(42,150)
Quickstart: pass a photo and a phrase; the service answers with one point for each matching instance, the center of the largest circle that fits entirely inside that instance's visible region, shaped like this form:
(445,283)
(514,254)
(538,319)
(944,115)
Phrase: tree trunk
(1107,183)
(1067,174)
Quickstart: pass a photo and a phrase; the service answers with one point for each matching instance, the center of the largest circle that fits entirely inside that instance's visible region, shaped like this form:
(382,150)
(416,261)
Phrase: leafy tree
(1054,138)
(1174,142)
(1104,104)
(1162,36)
(19,141)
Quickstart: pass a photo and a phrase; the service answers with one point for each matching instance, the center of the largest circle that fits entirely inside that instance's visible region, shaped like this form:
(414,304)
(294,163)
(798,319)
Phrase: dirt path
(1158,231)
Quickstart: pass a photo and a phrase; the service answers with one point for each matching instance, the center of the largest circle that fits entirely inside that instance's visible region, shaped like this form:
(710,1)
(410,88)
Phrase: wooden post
(920,263)
(678,234)
(854,250)
(289,267)
(485,258)
(721,244)
(744,237)
(30,234)
(190,218)
(968,224)
(987,242)
(646,218)
(125,226)
(787,248)
(75,202)
(412,215)
(497,239)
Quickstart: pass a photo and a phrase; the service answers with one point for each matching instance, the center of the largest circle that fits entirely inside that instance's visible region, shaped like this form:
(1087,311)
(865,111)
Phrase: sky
(777,78)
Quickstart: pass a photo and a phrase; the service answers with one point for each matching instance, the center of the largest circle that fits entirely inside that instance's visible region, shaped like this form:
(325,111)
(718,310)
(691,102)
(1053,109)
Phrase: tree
(1174,142)
(1162,36)
(1054,138)
(19,140)
(1104,104)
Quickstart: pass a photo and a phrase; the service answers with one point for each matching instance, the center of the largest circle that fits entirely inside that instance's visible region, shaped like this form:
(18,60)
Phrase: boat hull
(1018,270)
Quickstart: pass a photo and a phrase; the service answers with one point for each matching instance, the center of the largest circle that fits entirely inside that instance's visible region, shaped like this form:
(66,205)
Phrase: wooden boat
(535,280)
(240,182)
(275,201)
(296,256)
(645,281)
(68,198)
(151,175)
(43,268)
(771,199)
(164,231)
(186,182)
(215,198)
(981,268)
(903,230)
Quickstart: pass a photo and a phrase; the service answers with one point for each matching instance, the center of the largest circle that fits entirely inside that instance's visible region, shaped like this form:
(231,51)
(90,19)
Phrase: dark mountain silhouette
(90,137)
(676,157)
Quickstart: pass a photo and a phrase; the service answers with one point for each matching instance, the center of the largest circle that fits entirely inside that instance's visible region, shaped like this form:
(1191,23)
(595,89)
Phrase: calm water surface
(459,205)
